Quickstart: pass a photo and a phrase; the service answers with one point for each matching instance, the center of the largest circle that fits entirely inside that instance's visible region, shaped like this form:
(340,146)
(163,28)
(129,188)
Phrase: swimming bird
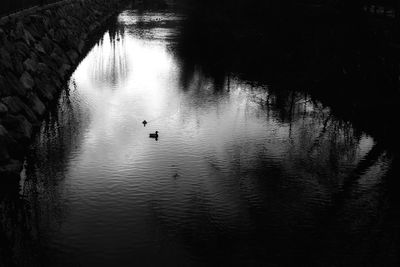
(144,123)
(154,135)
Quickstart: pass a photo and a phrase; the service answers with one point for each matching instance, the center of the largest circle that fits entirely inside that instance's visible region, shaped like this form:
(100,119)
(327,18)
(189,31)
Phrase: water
(237,177)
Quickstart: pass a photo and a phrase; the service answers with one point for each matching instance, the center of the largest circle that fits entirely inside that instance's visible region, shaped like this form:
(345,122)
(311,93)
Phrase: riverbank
(39,48)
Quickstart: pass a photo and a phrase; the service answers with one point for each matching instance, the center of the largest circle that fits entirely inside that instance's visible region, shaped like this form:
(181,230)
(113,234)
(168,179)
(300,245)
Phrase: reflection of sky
(222,154)
(140,95)
(202,129)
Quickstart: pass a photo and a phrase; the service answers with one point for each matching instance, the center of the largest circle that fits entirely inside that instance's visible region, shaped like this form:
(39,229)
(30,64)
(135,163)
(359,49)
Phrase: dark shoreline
(51,45)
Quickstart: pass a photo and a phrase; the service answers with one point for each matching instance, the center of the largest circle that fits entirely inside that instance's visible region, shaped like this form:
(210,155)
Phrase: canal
(237,176)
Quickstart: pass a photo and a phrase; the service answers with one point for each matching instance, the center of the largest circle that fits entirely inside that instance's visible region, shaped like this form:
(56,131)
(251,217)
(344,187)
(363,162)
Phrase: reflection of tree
(110,60)
(19,236)
(319,164)
(269,57)
(27,218)
(320,143)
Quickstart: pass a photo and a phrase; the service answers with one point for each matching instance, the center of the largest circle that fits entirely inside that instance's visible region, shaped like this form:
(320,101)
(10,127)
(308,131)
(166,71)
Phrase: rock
(30,65)
(40,28)
(59,60)
(14,85)
(49,13)
(59,51)
(47,45)
(84,36)
(19,30)
(34,56)
(64,70)
(73,56)
(71,36)
(46,92)
(4,88)
(22,49)
(97,13)
(9,45)
(47,83)
(16,106)
(26,20)
(36,104)
(50,63)
(46,23)
(27,80)
(56,80)
(59,36)
(4,21)
(17,62)
(28,37)
(36,18)
(3,132)
(43,69)
(5,58)
(92,28)
(31,28)
(19,128)
(72,21)
(4,155)
(3,109)
(81,46)
(51,33)
(62,23)
(40,48)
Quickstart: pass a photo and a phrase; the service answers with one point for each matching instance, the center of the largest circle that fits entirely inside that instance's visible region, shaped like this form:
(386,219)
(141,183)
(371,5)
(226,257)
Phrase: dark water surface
(229,182)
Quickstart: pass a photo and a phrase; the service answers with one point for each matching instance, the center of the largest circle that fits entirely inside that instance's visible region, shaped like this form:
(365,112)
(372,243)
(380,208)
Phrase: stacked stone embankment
(38,50)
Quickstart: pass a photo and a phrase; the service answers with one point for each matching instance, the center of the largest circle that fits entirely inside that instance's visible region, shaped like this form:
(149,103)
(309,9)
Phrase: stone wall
(38,50)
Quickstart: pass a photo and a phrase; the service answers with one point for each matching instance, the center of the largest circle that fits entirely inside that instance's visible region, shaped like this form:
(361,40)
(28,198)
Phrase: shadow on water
(322,192)
(32,208)
(335,57)
(340,64)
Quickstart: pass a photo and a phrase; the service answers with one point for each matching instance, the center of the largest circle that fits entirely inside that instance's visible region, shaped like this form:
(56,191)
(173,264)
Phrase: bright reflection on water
(228,181)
